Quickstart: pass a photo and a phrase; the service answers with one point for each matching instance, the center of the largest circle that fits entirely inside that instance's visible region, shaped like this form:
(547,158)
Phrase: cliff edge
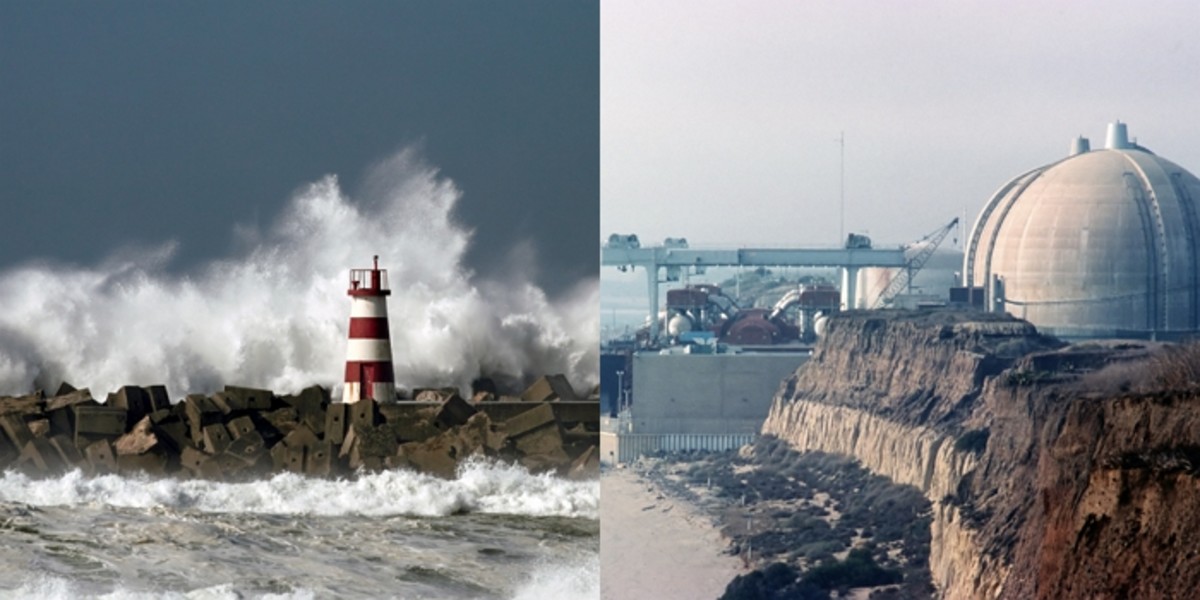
(1054,471)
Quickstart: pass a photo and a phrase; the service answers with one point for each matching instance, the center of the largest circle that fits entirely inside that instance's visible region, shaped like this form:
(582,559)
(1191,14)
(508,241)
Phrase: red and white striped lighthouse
(369,372)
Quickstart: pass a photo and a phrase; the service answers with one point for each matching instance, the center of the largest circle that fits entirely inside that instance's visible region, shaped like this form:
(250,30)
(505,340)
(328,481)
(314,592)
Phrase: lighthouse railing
(365,279)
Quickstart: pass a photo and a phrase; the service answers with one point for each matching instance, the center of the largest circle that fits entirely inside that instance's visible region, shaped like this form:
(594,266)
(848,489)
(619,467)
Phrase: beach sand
(656,546)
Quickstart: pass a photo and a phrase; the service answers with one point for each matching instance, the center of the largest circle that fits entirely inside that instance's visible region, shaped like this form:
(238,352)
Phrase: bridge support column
(652,287)
(849,288)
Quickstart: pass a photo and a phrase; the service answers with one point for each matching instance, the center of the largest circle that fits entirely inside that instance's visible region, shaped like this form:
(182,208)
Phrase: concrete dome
(1103,243)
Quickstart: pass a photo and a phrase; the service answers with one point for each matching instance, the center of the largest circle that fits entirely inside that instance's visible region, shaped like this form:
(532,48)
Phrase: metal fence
(619,448)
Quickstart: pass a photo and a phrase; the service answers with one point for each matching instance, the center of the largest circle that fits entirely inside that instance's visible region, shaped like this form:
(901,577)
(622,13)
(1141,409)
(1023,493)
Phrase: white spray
(276,315)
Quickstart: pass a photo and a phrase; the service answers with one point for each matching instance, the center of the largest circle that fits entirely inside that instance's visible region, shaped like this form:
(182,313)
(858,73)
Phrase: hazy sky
(720,120)
(137,123)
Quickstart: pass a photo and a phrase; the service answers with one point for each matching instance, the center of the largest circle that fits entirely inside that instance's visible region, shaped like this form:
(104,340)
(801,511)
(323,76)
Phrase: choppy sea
(495,532)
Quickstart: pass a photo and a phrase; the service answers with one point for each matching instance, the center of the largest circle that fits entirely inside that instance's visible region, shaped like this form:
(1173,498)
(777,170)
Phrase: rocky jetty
(1053,470)
(241,433)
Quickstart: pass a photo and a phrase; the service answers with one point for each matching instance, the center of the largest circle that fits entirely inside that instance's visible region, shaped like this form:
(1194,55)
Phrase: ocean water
(494,532)
(273,313)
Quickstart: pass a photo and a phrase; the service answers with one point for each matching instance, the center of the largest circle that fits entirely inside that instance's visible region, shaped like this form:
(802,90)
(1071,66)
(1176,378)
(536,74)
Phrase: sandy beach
(657,546)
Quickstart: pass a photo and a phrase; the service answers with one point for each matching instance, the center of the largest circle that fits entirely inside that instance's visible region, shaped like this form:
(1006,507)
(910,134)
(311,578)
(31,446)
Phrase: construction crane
(904,277)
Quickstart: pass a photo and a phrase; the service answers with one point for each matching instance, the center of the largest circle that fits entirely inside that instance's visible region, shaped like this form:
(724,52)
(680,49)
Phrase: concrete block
(310,406)
(228,403)
(543,441)
(348,444)
(158,398)
(97,421)
(192,459)
(64,388)
(585,465)
(549,387)
(200,412)
(335,423)
(99,455)
(428,395)
(241,426)
(454,412)
(364,413)
(42,455)
(31,404)
(216,438)
(40,428)
(432,457)
(285,419)
(372,443)
(173,433)
(134,400)
(250,398)
(529,420)
(300,436)
(493,438)
(139,440)
(279,456)
(248,448)
(414,430)
(8,453)
(16,430)
(67,450)
(319,460)
(70,399)
(295,458)
(150,463)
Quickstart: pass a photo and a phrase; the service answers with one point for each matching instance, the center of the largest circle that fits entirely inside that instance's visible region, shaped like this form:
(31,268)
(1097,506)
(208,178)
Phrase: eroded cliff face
(1046,479)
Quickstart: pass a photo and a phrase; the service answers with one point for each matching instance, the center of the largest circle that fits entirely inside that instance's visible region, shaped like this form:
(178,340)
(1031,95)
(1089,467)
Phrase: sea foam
(274,314)
(481,487)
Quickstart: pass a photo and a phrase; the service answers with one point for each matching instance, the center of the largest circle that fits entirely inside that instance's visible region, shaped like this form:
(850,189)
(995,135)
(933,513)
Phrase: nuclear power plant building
(1103,243)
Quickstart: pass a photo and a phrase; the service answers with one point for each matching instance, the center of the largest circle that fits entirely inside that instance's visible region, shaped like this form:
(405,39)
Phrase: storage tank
(1103,243)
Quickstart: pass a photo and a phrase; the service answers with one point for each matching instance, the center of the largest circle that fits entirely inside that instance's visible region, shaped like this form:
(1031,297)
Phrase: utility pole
(842,187)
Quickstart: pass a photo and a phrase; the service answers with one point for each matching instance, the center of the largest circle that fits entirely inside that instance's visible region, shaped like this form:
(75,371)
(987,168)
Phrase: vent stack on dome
(1080,145)
(1118,137)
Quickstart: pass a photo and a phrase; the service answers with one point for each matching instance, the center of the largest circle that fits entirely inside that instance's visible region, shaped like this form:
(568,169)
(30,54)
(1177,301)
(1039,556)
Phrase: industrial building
(1103,243)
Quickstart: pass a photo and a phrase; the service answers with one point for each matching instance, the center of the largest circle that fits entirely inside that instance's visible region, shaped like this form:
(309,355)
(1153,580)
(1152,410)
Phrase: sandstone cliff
(1053,471)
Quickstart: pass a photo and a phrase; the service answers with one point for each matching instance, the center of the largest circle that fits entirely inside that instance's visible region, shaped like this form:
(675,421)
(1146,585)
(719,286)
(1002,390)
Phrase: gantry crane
(904,277)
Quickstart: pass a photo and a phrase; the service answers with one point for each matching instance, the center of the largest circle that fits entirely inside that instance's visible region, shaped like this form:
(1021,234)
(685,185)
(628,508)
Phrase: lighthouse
(369,371)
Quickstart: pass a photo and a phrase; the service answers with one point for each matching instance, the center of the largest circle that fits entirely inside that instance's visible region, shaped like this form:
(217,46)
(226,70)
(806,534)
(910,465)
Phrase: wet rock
(454,412)
(335,423)
(585,465)
(216,438)
(200,412)
(41,457)
(139,440)
(16,430)
(529,420)
(67,450)
(319,460)
(547,388)
(245,398)
(100,456)
(244,432)
(133,400)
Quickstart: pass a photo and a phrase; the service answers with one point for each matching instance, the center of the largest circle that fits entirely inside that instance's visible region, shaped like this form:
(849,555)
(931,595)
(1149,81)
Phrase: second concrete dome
(1103,243)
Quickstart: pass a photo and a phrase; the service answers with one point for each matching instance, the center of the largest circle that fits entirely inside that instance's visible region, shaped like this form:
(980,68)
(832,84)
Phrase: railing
(368,279)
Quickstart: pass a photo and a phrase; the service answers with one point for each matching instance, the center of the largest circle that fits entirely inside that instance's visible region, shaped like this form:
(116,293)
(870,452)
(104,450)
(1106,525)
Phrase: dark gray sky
(138,122)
